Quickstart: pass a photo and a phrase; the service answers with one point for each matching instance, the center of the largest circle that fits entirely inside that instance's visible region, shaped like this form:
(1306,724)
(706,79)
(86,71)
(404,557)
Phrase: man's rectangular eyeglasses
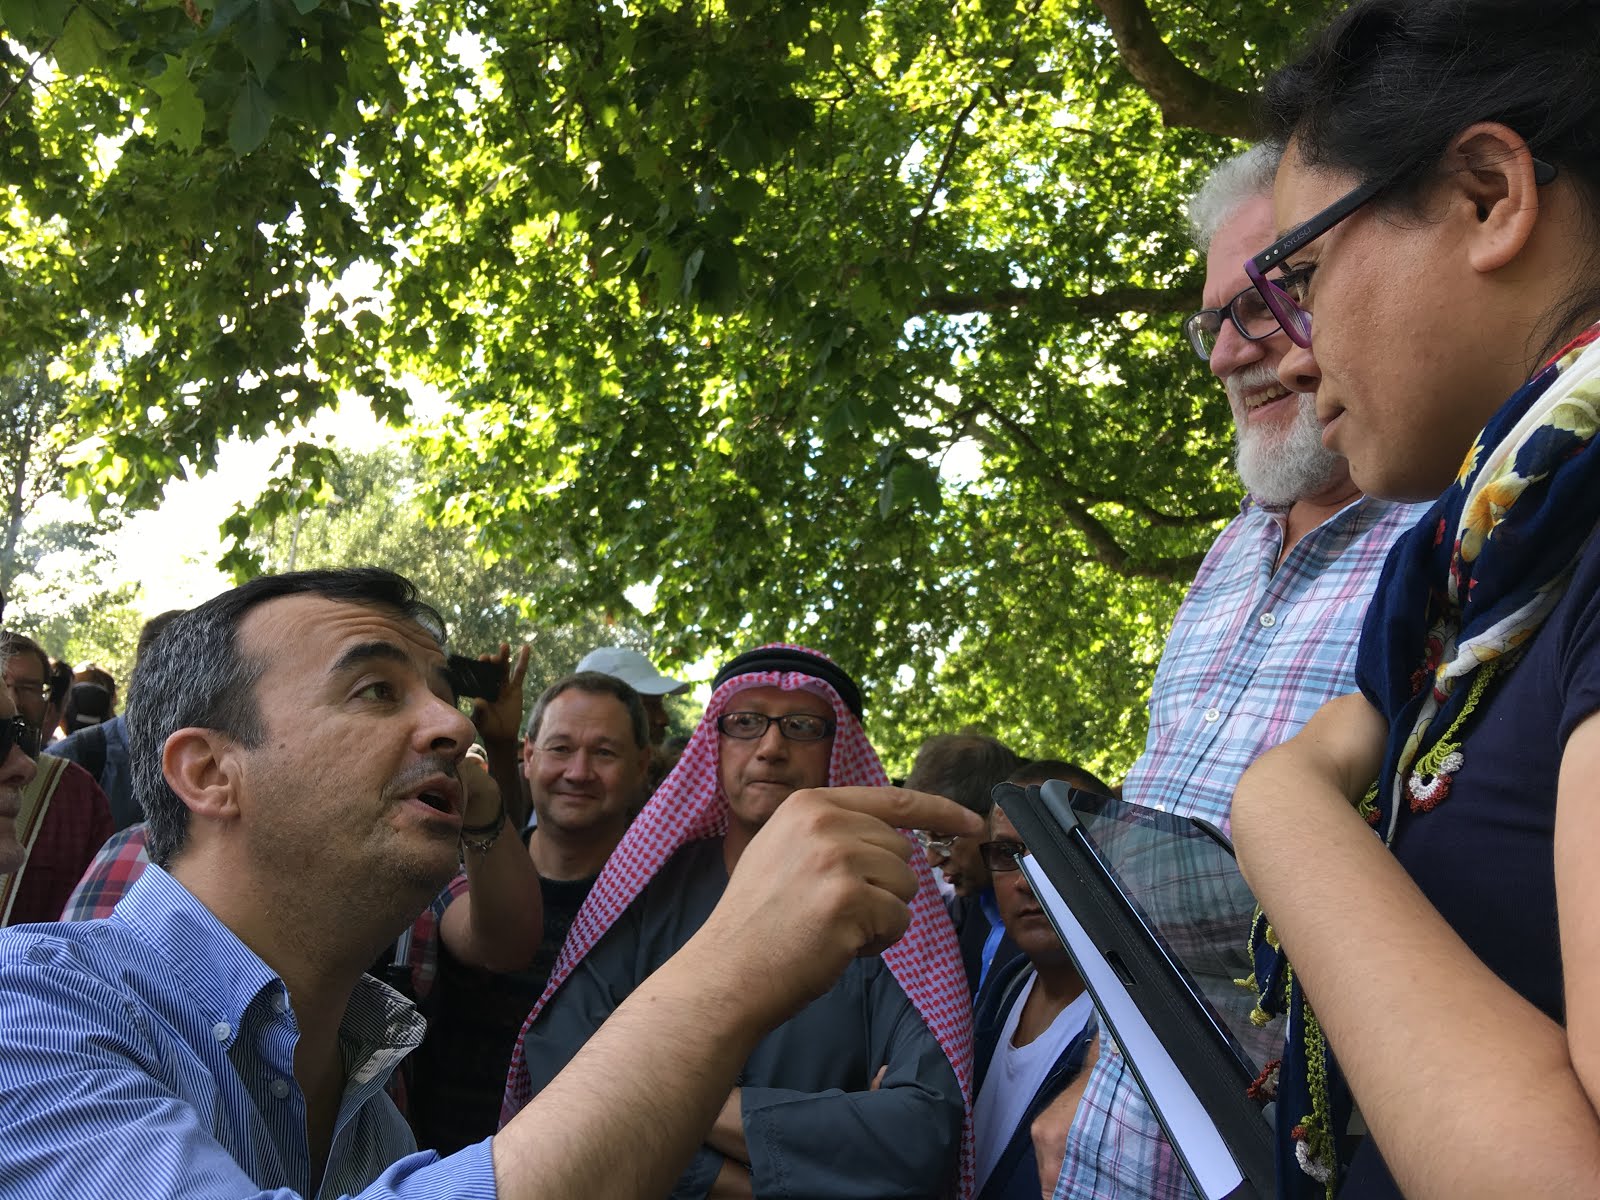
(797,727)
(933,843)
(1283,296)
(1002,856)
(1248,312)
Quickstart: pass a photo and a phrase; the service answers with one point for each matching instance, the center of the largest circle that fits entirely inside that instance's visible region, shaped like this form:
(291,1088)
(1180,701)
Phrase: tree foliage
(373,515)
(722,291)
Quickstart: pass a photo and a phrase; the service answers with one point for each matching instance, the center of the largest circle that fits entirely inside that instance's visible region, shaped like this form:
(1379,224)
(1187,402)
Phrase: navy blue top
(1484,858)
(1016,1172)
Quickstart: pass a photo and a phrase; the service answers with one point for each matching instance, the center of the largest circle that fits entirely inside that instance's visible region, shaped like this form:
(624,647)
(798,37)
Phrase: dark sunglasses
(15,731)
(1281,300)
(1001,856)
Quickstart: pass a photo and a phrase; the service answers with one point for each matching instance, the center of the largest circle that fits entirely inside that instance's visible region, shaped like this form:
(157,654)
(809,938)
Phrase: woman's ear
(201,767)
(1491,172)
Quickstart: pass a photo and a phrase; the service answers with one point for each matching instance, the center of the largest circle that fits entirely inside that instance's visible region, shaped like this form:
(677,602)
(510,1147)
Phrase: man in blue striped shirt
(295,746)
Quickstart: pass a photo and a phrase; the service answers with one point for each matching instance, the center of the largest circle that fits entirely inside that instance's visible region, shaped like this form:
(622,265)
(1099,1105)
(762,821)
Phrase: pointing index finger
(907,809)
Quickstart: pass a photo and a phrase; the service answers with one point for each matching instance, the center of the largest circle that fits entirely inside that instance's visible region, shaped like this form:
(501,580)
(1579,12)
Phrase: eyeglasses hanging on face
(797,727)
(1285,296)
(933,843)
(1001,856)
(1247,311)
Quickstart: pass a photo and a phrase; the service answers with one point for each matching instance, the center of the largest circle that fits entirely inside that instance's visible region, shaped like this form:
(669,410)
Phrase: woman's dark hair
(1384,88)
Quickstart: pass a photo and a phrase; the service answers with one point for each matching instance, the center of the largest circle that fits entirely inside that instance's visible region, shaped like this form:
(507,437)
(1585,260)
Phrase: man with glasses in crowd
(965,767)
(1265,636)
(1034,1024)
(861,1093)
(65,818)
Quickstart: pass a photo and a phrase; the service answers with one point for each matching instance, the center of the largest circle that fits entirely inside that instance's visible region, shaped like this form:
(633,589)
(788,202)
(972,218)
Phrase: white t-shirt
(1015,1074)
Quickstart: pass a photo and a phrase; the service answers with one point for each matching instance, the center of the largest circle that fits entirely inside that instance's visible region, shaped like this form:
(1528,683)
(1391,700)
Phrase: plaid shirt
(1253,653)
(120,862)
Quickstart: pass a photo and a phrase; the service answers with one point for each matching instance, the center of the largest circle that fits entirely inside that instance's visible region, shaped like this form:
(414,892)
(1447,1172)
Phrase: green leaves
(251,118)
(181,115)
(848,320)
(85,41)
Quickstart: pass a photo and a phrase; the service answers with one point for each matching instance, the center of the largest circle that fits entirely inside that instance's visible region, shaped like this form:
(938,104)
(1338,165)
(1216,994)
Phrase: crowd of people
(295,924)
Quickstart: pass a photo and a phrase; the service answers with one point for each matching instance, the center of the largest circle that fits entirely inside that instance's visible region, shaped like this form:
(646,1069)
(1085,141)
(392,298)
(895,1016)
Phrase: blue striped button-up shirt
(152,1054)
(1253,653)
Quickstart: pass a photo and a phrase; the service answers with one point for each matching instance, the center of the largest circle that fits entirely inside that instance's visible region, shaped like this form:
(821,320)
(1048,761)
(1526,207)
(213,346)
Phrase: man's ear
(1492,175)
(527,759)
(201,766)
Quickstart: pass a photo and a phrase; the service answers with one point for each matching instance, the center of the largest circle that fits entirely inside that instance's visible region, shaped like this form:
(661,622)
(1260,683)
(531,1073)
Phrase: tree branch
(944,170)
(1109,303)
(1184,96)
(1102,541)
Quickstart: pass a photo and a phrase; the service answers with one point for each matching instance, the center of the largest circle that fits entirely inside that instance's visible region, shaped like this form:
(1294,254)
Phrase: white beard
(1279,466)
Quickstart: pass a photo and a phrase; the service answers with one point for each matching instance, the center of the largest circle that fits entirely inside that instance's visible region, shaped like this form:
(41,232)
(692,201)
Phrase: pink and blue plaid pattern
(1253,653)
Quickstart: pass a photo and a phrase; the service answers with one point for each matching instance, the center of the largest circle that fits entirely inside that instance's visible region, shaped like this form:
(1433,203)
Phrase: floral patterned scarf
(1461,595)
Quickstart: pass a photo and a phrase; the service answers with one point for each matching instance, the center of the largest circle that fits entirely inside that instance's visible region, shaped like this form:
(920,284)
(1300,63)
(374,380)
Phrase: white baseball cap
(633,668)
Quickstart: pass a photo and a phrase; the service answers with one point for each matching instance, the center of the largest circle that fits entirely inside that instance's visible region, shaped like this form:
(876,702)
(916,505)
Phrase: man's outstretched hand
(826,880)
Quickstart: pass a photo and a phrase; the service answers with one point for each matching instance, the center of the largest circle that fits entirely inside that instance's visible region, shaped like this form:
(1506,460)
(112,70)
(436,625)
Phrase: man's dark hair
(595,684)
(1041,769)
(1381,92)
(963,766)
(195,675)
(13,644)
(152,628)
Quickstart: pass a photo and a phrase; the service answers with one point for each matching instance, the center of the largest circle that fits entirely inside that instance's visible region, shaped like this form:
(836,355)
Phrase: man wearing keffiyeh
(864,1092)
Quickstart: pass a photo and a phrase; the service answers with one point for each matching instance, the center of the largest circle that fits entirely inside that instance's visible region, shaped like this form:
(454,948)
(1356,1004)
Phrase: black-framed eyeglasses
(17,731)
(1248,312)
(797,727)
(1284,296)
(1002,855)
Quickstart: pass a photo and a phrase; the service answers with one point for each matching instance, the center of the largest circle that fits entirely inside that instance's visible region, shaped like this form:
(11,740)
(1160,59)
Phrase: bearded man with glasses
(1266,635)
(863,1092)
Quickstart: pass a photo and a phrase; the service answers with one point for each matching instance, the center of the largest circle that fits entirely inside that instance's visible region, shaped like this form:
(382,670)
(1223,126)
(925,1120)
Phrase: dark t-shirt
(474,1016)
(1485,857)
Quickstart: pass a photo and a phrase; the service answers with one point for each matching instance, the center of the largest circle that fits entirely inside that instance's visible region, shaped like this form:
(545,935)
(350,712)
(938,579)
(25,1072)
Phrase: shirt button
(1212,714)
(1268,620)
(221,1031)
(279,1089)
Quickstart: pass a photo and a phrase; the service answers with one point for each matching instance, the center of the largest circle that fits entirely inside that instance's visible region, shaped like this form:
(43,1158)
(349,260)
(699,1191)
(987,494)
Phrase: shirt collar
(223,976)
(220,973)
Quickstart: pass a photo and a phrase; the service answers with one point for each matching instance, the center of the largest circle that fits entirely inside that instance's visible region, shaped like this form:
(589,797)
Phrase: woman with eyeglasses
(1421,852)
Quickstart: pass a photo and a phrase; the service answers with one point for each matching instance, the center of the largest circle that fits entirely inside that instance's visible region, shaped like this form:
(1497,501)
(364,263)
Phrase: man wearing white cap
(635,670)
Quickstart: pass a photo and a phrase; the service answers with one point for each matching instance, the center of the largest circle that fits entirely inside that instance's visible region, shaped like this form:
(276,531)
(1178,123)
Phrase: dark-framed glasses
(1001,856)
(797,727)
(933,843)
(17,731)
(1285,295)
(1248,312)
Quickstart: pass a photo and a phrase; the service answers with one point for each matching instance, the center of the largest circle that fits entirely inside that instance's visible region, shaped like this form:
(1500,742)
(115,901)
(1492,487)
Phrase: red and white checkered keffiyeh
(689,805)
